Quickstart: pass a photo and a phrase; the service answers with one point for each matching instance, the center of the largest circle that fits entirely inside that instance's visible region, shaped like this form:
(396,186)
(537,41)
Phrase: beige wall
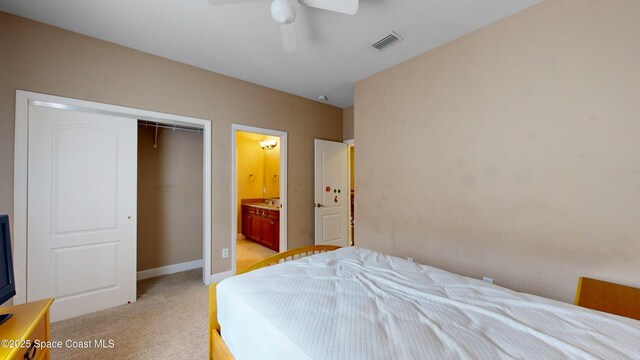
(512,152)
(41,58)
(169,198)
(347,123)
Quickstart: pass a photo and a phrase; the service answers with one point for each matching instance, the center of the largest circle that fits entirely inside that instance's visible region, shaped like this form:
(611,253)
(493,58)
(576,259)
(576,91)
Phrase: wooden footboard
(217,348)
(289,255)
(608,297)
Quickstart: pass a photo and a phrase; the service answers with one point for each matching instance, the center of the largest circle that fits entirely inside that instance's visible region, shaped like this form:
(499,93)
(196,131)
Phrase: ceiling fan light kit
(283,11)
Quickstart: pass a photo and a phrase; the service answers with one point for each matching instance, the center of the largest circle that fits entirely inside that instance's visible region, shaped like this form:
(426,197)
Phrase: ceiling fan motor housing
(283,11)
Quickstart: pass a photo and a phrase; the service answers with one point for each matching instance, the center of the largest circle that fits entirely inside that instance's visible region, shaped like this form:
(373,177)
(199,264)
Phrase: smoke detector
(323,98)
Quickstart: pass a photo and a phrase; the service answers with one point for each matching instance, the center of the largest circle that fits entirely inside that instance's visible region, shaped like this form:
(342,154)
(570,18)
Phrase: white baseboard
(216,278)
(169,269)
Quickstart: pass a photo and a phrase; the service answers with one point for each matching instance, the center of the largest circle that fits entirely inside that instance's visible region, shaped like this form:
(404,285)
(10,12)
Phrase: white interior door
(81,246)
(331,193)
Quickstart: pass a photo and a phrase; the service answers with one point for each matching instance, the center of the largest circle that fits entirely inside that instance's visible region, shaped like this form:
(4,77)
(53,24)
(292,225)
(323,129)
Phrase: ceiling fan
(284,13)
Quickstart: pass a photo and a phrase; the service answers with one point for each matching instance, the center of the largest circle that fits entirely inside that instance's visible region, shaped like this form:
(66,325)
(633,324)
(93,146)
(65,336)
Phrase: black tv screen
(7,282)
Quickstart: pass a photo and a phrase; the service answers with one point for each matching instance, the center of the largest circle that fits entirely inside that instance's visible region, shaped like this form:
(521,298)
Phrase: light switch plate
(225,253)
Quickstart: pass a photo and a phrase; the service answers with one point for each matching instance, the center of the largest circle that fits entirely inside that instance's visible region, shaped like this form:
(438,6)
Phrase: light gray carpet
(168,321)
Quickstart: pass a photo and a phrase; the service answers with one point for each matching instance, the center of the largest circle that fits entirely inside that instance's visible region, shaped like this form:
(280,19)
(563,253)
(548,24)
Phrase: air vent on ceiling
(387,40)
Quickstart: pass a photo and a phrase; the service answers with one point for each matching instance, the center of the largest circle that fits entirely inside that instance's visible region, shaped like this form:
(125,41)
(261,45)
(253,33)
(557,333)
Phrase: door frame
(234,186)
(21,149)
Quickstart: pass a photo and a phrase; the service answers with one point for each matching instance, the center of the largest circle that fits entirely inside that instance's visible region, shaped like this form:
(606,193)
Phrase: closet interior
(170,209)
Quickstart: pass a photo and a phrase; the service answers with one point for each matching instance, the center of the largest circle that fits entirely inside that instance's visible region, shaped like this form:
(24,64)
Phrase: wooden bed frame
(591,293)
(608,297)
(217,348)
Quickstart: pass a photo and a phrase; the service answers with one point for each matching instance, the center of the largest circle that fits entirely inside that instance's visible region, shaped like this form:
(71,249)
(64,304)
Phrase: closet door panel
(81,246)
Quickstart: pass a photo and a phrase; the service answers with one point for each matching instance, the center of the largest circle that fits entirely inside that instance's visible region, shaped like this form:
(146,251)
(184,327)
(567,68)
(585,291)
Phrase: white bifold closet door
(81,246)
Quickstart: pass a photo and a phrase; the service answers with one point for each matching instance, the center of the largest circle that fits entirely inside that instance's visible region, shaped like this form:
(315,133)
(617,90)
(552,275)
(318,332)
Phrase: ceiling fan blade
(226,2)
(289,37)
(349,7)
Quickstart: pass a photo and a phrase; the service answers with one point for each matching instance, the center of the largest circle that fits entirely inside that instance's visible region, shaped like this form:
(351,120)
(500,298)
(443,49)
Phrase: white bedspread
(355,303)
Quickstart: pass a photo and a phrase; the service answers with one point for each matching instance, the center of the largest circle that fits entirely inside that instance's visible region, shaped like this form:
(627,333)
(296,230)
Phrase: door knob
(319,205)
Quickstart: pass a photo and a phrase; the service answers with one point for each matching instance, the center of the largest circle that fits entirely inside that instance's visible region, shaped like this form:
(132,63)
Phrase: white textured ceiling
(243,41)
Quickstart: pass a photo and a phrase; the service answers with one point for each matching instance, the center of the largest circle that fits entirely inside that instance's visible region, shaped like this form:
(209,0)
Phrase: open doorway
(352,193)
(258,196)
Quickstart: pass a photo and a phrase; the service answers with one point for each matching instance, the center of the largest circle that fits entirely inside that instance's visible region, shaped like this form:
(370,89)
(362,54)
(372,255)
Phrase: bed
(355,303)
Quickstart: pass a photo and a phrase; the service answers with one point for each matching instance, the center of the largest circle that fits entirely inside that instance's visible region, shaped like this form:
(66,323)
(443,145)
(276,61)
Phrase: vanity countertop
(263,206)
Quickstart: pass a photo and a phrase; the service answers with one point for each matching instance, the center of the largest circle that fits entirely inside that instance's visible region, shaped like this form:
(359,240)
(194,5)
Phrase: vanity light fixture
(268,144)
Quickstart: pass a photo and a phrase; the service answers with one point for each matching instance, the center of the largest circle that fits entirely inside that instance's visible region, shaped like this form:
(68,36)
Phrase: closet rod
(170,127)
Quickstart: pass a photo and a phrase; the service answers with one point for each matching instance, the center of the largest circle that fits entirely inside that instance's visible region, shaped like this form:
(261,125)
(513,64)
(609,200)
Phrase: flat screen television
(7,282)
